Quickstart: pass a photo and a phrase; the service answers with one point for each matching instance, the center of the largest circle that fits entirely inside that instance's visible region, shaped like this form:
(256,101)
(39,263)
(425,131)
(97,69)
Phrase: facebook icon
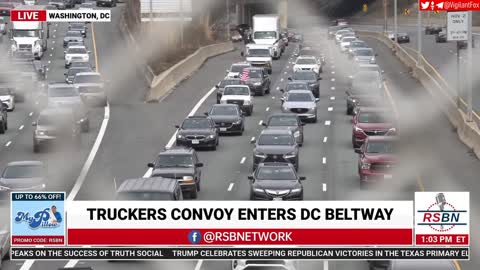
(194,237)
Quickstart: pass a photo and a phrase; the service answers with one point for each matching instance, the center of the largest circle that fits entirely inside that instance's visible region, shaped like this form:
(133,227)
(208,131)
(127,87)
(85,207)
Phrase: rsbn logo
(194,237)
(443,219)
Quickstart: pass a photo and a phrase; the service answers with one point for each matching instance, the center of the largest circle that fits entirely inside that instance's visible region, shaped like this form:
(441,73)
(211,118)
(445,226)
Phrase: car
(297,38)
(263,265)
(364,56)
(355,45)
(75,43)
(182,164)
(257,79)
(59,4)
(276,181)
(288,121)
(3,118)
(302,103)
(81,27)
(299,85)
(198,131)
(86,6)
(308,51)
(403,37)
(67,96)
(354,101)
(309,77)
(345,43)
(152,188)
(71,72)
(23,176)
(91,87)
(56,125)
(236,69)
(70,4)
(379,265)
(284,37)
(258,55)
(235,36)
(4,244)
(3,26)
(433,29)
(106,3)
(5,8)
(391,35)
(223,83)
(441,37)
(229,118)
(72,36)
(366,81)
(333,30)
(371,121)
(343,33)
(240,95)
(275,145)
(7,98)
(75,64)
(79,53)
(377,159)
(308,63)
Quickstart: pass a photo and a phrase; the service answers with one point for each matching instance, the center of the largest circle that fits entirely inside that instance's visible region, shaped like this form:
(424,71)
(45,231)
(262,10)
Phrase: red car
(377,158)
(370,121)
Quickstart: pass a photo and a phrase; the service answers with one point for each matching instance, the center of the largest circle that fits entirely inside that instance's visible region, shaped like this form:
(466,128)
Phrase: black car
(182,164)
(288,121)
(276,181)
(403,38)
(69,3)
(226,82)
(146,189)
(228,118)
(198,131)
(309,77)
(379,265)
(257,79)
(106,3)
(81,27)
(3,117)
(275,145)
(441,37)
(72,36)
(433,29)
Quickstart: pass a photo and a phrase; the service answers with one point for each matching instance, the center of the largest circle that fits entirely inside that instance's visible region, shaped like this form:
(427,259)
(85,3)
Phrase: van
(153,188)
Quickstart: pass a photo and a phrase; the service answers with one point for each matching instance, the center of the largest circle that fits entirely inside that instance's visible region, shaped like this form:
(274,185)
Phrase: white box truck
(29,36)
(266,31)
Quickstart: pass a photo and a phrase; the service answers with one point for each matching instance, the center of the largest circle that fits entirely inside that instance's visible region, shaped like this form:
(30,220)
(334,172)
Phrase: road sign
(406,11)
(457,26)
(365,8)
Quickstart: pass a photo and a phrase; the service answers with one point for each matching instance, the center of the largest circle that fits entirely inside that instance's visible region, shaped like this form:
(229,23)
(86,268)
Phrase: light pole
(419,37)
(228,19)
(181,24)
(385,18)
(395,20)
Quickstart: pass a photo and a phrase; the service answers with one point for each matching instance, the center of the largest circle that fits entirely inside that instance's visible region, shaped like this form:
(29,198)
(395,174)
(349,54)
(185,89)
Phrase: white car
(345,43)
(308,63)
(268,264)
(76,53)
(3,26)
(8,98)
(91,87)
(340,33)
(240,95)
(236,69)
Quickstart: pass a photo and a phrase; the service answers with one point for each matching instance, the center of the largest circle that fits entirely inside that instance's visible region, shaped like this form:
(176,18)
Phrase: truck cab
(29,36)
(267,31)
(259,56)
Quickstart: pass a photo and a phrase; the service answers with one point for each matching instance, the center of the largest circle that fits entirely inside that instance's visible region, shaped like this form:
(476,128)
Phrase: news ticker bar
(217,253)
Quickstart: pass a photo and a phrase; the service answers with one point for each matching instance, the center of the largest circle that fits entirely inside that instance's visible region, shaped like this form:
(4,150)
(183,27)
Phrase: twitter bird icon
(425,5)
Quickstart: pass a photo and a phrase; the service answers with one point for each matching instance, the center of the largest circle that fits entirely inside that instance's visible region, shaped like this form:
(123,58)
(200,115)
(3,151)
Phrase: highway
(432,156)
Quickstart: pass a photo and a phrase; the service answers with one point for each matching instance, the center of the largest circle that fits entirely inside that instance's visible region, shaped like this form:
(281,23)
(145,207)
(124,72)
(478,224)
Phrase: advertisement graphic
(38,218)
(442,218)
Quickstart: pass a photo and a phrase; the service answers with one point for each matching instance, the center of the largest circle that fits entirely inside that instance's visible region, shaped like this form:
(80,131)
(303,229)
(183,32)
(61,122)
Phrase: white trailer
(266,31)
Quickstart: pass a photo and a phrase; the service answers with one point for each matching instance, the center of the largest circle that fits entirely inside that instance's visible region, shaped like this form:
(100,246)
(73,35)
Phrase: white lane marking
(54,36)
(285,72)
(324,187)
(333,67)
(54,30)
(281,79)
(332,98)
(332,88)
(8,143)
(325,265)
(88,163)
(333,79)
(243,160)
(325,139)
(53,41)
(273,97)
(287,67)
(324,160)
(328,122)
(278,87)
(21,127)
(27,264)
(51,54)
(71,264)
(267,109)
(199,265)
(252,139)
(52,48)
(333,72)
(230,187)
(30,114)
(260,123)
(330,109)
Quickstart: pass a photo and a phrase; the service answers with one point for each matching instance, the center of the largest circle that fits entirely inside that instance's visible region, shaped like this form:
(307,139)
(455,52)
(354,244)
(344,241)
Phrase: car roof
(237,85)
(88,73)
(25,163)
(177,150)
(255,68)
(303,71)
(283,114)
(241,64)
(382,138)
(299,92)
(77,47)
(225,105)
(62,85)
(368,65)
(276,131)
(306,57)
(152,184)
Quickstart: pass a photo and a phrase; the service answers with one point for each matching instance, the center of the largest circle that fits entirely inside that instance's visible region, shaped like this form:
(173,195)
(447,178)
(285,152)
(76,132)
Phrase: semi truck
(29,36)
(266,31)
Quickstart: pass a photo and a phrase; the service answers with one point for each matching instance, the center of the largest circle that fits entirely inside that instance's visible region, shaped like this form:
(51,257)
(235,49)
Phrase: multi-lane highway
(120,145)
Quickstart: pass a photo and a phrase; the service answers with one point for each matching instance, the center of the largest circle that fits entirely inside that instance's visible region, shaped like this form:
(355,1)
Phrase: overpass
(245,9)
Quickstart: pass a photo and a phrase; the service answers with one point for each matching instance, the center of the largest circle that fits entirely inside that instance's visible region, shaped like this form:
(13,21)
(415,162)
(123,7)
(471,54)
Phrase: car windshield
(306,61)
(25,33)
(305,76)
(73,34)
(255,73)
(265,35)
(357,44)
(372,117)
(363,52)
(74,71)
(272,139)
(275,173)
(348,34)
(93,78)
(79,64)
(381,147)
(62,92)
(297,86)
(300,97)
(4,91)
(238,68)
(259,52)
(196,123)
(75,43)
(52,120)
(144,196)
(166,161)
(224,110)
(283,121)
(237,91)
(348,39)
(76,51)
(23,171)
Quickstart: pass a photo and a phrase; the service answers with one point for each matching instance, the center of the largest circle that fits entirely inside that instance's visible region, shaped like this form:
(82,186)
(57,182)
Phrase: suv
(226,82)
(3,117)
(53,125)
(288,121)
(302,103)
(229,118)
(275,145)
(370,121)
(91,87)
(66,95)
(77,53)
(153,188)
(276,181)
(181,164)
(309,77)
(257,79)
(198,131)
(307,63)
(376,158)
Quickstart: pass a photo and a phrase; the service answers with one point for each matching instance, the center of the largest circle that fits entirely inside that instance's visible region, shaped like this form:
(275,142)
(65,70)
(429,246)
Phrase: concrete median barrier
(167,80)
(439,90)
